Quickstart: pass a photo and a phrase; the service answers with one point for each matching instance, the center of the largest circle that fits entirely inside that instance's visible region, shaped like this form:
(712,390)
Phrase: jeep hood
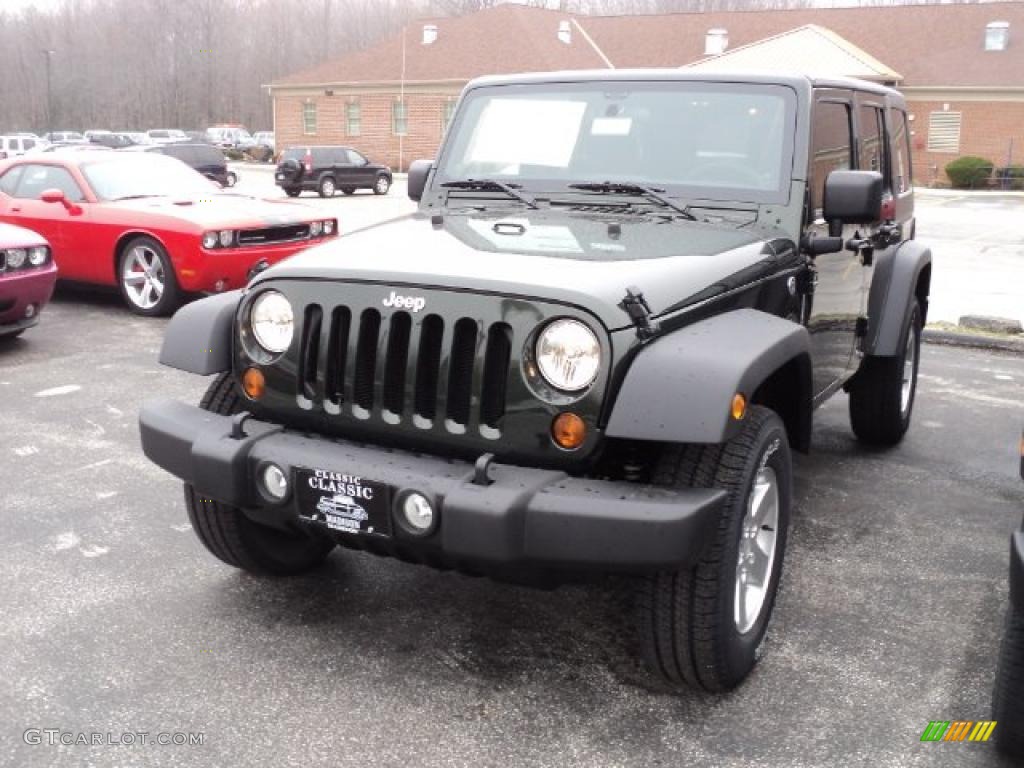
(583,260)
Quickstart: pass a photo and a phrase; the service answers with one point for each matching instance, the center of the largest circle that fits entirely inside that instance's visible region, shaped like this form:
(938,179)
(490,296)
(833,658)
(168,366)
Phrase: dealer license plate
(344,502)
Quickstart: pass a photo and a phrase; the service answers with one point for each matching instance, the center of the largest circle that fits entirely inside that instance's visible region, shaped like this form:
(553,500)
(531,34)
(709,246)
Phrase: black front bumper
(524,517)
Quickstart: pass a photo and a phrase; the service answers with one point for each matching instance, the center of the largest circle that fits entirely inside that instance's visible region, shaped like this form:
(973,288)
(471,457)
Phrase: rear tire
(704,626)
(231,536)
(883,390)
(1008,700)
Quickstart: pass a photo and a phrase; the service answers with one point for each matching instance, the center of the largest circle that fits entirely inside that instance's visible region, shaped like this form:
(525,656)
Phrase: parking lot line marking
(94,465)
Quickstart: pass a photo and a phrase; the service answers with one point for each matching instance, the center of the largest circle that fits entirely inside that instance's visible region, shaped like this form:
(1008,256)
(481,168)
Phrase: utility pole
(49,91)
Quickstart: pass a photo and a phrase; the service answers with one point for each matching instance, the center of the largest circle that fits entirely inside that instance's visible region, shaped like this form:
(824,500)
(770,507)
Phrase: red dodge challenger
(27,275)
(150,224)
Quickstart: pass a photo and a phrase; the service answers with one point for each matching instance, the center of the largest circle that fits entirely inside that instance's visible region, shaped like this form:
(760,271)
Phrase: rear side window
(27,144)
(208,156)
(9,181)
(874,155)
(832,145)
(904,179)
(295,153)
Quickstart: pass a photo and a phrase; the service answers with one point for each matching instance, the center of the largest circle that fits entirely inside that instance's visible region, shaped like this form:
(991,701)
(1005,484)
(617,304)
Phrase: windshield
(146,175)
(719,141)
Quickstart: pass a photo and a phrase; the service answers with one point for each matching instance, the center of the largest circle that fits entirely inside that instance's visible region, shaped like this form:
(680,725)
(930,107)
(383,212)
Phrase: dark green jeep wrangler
(591,349)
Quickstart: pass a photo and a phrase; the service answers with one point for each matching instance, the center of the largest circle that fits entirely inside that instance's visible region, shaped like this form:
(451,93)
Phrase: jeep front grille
(396,367)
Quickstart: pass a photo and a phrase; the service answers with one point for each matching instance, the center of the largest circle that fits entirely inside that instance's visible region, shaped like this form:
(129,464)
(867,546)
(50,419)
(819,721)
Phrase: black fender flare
(893,286)
(198,338)
(681,386)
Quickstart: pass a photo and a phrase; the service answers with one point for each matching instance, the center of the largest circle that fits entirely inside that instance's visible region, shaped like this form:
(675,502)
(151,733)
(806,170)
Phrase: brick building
(960,66)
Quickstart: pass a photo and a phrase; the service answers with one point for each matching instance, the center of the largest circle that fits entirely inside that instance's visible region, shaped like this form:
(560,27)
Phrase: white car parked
(15,145)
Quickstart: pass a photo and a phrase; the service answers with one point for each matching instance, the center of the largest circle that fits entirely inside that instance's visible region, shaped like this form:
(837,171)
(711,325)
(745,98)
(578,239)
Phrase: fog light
(30,310)
(275,482)
(568,431)
(219,286)
(418,512)
(253,383)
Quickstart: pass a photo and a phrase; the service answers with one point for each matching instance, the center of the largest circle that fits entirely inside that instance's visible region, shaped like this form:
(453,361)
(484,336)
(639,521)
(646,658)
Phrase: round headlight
(210,240)
(226,237)
(37,256)
(16,257)
(329,226)
(272,321)
(316,228)
(569,355)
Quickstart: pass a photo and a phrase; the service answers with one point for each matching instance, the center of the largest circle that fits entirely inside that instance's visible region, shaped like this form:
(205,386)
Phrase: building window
(944,132)
(399,118)
(832,149)
(447,114)
(309,118)
(997,35)
(353,118)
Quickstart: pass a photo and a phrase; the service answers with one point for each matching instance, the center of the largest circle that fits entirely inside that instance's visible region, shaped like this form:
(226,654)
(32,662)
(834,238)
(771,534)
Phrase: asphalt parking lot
(117,620)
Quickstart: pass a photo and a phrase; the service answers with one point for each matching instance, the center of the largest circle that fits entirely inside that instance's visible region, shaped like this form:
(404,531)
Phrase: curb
(957,339)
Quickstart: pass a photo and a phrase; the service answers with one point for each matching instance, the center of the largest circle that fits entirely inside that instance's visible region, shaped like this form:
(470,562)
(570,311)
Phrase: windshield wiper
(629,188)
(512,190)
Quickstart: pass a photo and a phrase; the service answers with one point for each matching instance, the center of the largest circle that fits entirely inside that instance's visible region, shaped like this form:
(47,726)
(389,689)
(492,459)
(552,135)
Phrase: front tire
(382,185)
(231,536)
(146,278)
(704,626)
(327,187)
(232,178)
(1008,700)
(883,390)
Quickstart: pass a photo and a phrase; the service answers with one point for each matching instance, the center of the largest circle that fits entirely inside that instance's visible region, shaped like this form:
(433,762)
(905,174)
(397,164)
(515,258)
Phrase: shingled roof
(929,45)
(506,38)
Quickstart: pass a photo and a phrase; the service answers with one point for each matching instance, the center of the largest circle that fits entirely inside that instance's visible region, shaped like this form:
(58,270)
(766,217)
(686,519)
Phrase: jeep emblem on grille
(415,303)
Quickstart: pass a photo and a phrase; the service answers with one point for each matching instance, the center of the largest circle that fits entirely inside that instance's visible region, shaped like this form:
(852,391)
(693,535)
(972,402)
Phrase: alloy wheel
(758,538)
(143,277)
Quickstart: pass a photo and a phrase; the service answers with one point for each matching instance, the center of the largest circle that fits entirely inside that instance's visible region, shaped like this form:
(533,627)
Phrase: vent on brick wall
(429,34)
(944,132)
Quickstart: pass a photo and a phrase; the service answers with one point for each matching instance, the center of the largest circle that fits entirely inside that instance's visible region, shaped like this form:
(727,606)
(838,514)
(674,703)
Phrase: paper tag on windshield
(611,126)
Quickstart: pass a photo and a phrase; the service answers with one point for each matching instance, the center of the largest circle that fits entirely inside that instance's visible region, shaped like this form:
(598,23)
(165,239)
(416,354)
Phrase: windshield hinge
(639,311)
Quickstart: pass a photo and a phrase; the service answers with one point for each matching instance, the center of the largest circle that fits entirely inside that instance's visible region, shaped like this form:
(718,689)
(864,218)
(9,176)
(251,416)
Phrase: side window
(903,180)
(873,146)
(27,144)
(37,178)
(9,181)
(832,145)
(353,118)
(209,156)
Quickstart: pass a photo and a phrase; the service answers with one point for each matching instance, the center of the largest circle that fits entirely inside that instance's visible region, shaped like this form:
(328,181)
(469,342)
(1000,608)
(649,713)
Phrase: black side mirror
(853,197)
(419,171)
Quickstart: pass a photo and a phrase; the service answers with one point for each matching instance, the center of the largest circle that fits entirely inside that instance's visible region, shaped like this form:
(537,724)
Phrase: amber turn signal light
(739,406)
(253,383)
(568,431)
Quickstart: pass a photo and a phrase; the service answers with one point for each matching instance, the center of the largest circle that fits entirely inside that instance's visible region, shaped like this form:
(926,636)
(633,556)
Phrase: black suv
(205,158)
(1008,702)
(325,170)
(593,348)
